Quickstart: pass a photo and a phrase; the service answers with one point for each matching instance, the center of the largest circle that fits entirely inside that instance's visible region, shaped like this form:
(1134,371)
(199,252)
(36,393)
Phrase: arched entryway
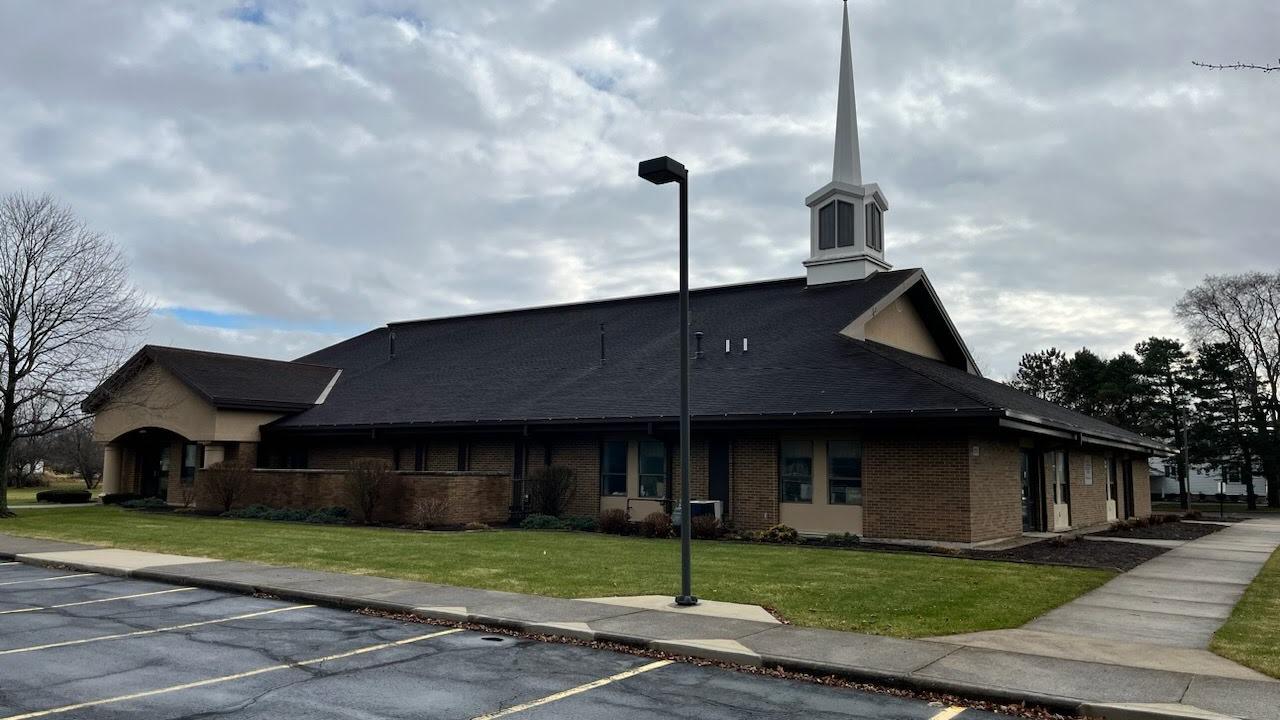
(149,461)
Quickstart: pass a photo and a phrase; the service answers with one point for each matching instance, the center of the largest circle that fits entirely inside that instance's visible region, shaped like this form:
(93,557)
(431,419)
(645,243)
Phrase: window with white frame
(835,225)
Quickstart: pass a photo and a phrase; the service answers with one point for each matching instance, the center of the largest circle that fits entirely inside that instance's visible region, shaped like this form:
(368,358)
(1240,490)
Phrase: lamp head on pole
(662,170)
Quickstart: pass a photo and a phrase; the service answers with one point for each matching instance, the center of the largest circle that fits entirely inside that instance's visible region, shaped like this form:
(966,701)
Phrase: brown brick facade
(467,496)
(995,487)
(916,488)
(753,483)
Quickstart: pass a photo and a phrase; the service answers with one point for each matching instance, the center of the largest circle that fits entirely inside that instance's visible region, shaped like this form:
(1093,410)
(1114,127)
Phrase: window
(796,471)
(653,469)
(1113,488)
(844,472)
(844,212)
(613,467)
(835,225)
(464,456)
(875,227)
(827,226)
(190,461)
(420,457)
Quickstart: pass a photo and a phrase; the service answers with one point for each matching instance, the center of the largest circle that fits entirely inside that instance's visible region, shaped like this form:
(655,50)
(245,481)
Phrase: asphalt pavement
(84,645)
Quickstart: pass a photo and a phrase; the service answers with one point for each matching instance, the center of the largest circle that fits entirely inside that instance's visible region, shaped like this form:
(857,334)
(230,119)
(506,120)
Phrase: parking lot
(76,644)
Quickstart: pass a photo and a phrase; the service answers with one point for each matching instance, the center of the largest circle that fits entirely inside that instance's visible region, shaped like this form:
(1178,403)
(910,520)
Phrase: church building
(840,401)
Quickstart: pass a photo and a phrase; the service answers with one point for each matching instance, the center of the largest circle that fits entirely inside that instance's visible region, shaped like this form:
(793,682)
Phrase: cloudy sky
(283,175)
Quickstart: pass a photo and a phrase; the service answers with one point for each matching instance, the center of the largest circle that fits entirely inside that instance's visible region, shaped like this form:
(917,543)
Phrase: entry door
(153,470)
(1113,489)
(718,471)
(1058,478)
(1032,492)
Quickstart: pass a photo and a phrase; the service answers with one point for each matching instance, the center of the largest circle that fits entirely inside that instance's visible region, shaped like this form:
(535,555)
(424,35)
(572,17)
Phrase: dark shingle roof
(228,381)
(543,364)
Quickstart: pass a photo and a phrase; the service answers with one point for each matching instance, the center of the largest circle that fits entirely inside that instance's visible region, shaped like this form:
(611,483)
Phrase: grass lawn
(882,593)
(21,496)
(1252,633)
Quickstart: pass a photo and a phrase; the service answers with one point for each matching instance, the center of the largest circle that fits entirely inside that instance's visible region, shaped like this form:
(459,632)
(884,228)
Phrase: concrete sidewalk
(1098,688)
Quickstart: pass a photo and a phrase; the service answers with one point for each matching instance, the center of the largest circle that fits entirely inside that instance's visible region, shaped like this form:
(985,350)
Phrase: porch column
(111,468)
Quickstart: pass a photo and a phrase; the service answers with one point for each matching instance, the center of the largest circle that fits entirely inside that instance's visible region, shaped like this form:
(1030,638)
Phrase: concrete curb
(699,649)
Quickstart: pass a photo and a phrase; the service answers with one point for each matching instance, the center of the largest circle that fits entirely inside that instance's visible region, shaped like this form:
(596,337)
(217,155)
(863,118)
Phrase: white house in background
(1204,480)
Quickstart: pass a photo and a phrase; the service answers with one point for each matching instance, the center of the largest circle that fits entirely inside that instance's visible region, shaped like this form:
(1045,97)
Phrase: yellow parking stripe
(138,633)
(94,602)
(229,678)
(574,691)
(57,577)
(949,713)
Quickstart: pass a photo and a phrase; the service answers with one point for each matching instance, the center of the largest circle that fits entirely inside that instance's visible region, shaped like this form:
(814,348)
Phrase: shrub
(225,482)
(551,489)
(367,482)
(840,540)
(429,512)
(151,503)
(64,496)
(779,534)
(613,521)
(252,512)
(330,516)
(541,522)
(117,498)
(581,523)
(476,526)
(656,525)
(288,515)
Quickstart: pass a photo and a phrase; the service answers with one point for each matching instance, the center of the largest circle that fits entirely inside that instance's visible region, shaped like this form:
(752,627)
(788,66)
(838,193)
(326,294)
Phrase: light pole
(659,171)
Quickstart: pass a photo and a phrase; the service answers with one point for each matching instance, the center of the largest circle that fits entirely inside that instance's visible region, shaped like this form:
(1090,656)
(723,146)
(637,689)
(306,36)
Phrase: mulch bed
(1078,553)
(1166,531)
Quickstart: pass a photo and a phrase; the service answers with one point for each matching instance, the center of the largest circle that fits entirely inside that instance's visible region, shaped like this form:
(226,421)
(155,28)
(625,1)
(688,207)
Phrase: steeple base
(821,271)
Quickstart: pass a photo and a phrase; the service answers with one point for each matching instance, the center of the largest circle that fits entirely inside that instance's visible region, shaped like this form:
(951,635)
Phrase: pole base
(686,600)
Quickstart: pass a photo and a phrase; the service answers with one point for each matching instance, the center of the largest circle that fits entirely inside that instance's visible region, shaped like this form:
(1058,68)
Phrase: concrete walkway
(1161,615)
(1105,685)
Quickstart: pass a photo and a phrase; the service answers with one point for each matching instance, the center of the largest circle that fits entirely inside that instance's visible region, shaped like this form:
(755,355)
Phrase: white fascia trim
(328,388)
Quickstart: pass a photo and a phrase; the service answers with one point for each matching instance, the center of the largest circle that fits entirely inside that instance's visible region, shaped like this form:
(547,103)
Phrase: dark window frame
(828,226)
(845,482)
(875,227)
(663,477)
(785,478)
(607,477)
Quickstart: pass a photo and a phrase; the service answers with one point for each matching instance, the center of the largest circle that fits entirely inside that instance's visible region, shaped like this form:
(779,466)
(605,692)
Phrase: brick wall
(339,454)
(467,496)
(582,455)
(916,488)
(492,455)
(698,472)
(995,488)
(1088,502)
(753,483)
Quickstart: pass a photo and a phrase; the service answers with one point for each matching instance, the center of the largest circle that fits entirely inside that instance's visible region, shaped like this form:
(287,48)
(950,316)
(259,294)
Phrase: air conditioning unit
(714,508)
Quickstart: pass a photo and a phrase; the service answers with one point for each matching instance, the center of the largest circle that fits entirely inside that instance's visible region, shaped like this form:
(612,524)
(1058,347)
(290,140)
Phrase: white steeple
(846,223)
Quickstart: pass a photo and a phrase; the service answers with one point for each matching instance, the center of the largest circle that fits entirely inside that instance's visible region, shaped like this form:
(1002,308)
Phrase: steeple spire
(846,216)
(847,167)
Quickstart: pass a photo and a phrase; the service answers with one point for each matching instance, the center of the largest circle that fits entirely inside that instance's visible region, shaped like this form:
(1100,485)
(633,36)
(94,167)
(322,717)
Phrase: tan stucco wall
(155,398)
(899,325)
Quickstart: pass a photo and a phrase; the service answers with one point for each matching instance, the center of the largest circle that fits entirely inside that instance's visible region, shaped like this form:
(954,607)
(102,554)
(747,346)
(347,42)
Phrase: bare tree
(368,481)
(1242,314)
(67,314)
(72,450)
(1238,66)
(223,483)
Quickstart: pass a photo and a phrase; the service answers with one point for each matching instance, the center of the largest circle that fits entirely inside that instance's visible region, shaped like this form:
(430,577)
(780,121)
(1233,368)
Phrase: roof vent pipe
(601,343)
(744,344)
(727,346)
(697,339)
(391,343)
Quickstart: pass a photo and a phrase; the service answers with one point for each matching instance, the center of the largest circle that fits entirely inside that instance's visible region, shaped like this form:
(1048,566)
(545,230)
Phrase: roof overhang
(1026,422)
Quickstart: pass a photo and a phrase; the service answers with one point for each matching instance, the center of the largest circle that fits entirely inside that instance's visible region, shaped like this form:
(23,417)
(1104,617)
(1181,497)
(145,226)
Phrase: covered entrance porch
(151,462)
